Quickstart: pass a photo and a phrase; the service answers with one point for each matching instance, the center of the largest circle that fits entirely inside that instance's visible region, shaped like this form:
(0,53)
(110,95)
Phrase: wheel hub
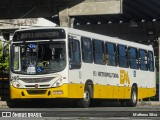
(86,96)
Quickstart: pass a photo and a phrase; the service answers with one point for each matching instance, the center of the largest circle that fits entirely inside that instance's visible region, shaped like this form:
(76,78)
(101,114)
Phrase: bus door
(75,75)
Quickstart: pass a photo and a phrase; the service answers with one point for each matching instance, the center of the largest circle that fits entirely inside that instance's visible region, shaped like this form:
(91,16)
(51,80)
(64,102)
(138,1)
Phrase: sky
(44,22)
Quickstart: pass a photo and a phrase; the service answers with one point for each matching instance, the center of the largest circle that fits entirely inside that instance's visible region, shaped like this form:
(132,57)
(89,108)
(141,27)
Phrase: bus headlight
(14,82)
(57,83)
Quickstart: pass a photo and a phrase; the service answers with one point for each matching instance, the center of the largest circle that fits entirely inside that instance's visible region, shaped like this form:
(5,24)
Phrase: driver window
(57,59)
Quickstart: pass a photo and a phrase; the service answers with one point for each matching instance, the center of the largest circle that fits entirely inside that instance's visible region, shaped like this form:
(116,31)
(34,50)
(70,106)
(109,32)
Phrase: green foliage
(157,77)
(4,60)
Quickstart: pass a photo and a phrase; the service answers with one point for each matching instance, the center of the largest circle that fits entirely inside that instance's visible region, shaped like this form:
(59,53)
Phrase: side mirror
(6,36)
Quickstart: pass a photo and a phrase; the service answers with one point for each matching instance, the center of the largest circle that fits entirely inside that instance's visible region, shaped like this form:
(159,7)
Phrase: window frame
(103,62)
(137,58)
(108,55)
(83,50)
(126,56)
(151,61)
(74,64)
(140,65)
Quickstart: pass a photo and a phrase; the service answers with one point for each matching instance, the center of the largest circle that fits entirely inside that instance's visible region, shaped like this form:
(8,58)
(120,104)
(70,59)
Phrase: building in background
(10,25)
(15,23)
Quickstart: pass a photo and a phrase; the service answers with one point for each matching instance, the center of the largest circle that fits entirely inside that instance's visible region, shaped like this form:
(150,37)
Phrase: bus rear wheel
(133,101)
(85,101)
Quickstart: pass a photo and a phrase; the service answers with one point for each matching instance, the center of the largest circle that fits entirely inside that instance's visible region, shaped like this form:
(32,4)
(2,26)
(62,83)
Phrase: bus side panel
(115,92)
(102,91)
(75,90)
(146,84)
(118,92)
(146,92)
(127,92)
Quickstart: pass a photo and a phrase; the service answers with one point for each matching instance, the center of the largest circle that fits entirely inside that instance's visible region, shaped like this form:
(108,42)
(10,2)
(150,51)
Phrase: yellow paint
(102,91)
(118,92)
(146,92)
(127,91)
(69,91)
(124,77)
(77,90)
(111,92)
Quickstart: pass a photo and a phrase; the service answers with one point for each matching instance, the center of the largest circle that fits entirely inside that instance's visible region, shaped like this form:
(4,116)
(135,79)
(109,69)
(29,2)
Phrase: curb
(148,103)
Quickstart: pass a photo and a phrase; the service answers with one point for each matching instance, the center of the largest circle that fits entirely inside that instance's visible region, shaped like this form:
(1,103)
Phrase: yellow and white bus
(65,63)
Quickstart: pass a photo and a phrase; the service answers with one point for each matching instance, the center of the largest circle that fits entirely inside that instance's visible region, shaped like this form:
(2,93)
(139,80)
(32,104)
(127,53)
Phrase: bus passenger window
(150,61)
(86,50)
(111,54)
(143,59)
(123,56)
(74,54)
(133,58)
(98,52)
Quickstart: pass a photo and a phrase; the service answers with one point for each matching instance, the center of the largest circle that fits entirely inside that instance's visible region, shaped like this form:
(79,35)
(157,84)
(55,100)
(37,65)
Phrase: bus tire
(85,101)
(133,100)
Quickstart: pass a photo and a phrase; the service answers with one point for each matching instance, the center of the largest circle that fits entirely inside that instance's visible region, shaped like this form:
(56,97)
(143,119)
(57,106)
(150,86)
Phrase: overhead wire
(35,6)
(28,12)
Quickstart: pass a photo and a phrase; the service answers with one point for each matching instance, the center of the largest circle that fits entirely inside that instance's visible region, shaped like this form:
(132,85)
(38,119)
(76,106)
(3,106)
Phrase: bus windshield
(38,57)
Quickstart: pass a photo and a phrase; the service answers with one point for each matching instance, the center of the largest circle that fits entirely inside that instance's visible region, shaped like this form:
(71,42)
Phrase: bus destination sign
(39,34)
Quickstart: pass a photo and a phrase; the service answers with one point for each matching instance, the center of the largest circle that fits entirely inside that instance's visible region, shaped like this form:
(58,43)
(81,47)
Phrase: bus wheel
(85,101)
(133,101)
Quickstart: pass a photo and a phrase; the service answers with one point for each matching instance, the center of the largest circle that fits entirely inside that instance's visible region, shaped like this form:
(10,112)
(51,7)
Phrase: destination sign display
(42,34)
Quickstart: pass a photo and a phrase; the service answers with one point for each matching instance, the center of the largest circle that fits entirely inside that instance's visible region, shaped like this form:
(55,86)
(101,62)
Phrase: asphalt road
(67,111)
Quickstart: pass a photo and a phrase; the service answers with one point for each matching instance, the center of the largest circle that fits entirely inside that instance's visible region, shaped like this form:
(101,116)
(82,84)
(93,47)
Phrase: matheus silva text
(145,114)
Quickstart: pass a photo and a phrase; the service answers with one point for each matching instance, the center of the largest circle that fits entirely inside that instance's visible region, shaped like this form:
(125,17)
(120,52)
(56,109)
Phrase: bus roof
(94,36)
(110,39)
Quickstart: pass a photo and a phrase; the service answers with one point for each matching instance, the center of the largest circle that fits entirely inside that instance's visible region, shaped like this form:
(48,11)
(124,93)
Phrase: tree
(4,60)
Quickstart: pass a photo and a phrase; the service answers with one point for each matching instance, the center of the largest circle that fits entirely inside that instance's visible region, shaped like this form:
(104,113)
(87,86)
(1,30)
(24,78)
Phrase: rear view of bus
(38,63)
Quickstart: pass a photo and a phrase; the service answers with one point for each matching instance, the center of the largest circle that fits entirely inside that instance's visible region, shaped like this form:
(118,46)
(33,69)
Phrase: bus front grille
(37,80)
(31,92)
(33,86)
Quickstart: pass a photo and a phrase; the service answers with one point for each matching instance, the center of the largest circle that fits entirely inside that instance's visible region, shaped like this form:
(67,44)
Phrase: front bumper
(64,91)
